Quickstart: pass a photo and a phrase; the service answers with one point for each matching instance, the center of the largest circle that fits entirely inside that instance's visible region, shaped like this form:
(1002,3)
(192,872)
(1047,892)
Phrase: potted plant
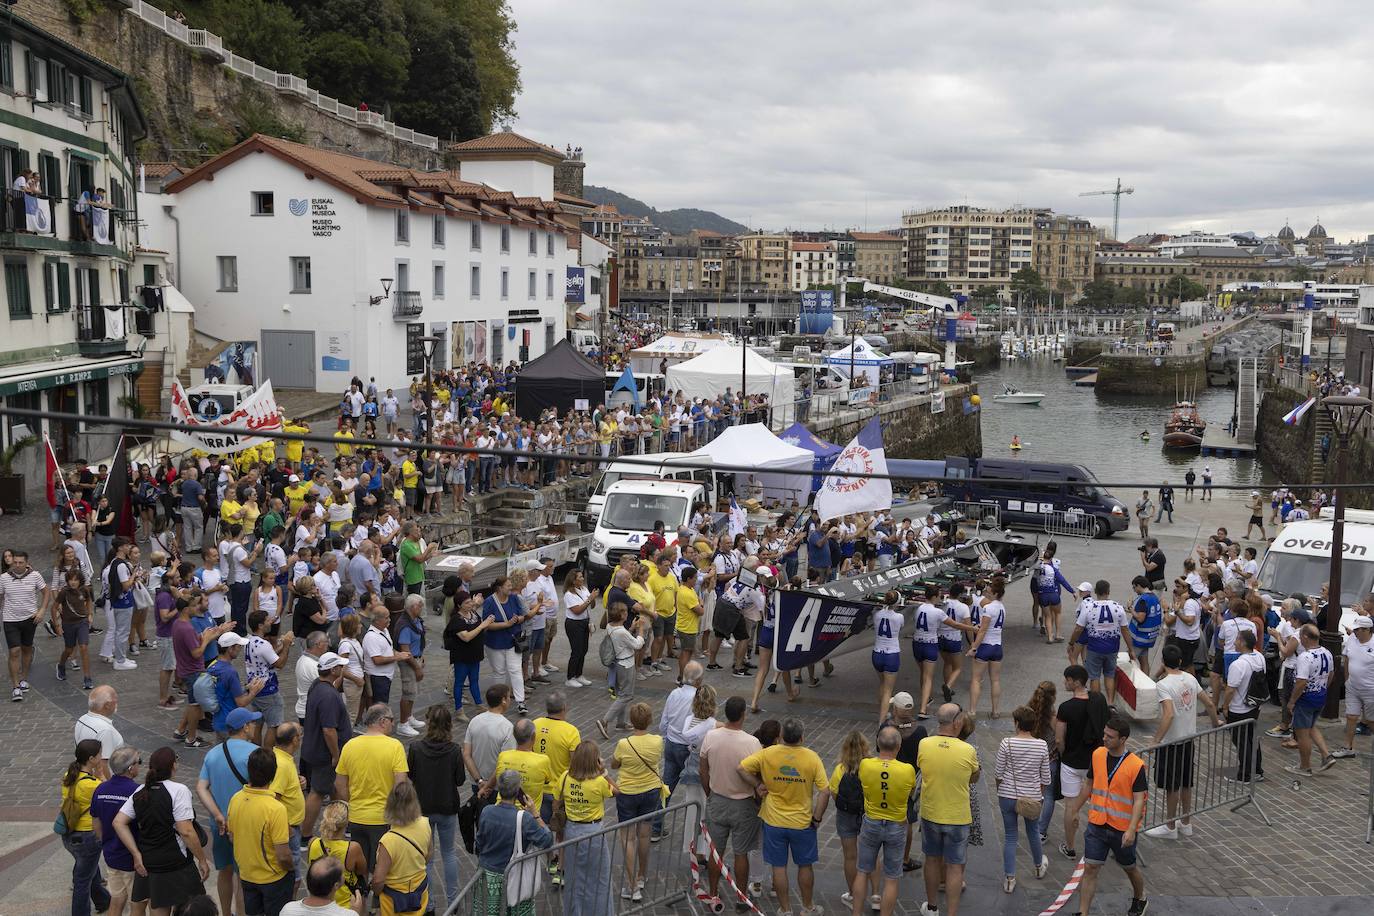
(12,484)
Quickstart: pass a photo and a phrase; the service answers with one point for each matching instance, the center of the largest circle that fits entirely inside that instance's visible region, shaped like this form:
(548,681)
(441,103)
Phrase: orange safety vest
(1112,797)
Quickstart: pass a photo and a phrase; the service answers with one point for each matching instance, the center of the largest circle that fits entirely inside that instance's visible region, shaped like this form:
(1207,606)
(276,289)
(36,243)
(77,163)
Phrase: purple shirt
(164,602)
(186,646)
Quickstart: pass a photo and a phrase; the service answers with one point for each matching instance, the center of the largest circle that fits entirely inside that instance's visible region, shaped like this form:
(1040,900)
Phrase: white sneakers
(1042,867)
(415,723)
(577,682)
(1165,832)
(127,664)
(405,731)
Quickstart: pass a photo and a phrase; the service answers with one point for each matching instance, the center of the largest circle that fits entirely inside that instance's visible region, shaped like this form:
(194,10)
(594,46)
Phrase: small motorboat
(1012,395)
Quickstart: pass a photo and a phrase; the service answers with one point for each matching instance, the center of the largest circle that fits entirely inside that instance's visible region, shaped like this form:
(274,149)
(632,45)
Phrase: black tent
(558,379)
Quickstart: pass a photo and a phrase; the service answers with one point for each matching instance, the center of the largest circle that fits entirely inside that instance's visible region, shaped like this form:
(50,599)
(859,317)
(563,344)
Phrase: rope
(1067,893)
(701,890)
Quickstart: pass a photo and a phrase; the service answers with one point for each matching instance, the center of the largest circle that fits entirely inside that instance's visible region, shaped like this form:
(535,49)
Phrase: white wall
(523,177)
(347,267)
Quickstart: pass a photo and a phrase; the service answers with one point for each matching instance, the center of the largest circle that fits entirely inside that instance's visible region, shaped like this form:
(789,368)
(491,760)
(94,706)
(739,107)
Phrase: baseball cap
(331,660)
(240,716)
(294,478)
(1363,622)
(533,564)
(1085,586)
(903,700)
(231,639)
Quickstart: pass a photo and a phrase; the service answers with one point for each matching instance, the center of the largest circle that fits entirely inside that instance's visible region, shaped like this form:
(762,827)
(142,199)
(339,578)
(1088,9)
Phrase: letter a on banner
(846,495)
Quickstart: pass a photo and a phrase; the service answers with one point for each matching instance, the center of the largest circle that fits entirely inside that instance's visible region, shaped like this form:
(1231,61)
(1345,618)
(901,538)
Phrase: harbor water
(1101,431)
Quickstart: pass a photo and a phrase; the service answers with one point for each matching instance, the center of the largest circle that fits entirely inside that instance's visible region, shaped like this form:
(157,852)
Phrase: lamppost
(1346,414)
(429,343)
(745,329)
(386,292)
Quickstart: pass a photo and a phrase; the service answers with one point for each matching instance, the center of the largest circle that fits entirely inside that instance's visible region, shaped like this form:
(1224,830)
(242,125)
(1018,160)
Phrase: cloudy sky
(1222,115)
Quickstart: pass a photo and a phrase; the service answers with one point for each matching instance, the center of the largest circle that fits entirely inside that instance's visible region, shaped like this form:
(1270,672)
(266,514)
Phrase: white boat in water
(1012,395)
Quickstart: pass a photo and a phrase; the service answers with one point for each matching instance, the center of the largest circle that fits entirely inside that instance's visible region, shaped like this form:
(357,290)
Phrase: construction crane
(1116,203)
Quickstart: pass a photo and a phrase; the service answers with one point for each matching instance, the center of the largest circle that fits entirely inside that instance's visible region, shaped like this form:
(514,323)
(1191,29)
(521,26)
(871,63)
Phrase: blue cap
(240,717)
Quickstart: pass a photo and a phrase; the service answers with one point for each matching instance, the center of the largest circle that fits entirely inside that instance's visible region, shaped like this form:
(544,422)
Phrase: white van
(584,340)
(645,468)
(1299,559)
(627,517)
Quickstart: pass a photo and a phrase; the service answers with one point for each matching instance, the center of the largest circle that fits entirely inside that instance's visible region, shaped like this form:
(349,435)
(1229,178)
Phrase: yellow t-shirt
(605,432)
(371,763)
(641,594)
(410,474)
(664,590)
(295,497)
(887,786)
(246,458)
(341,447)
(228,509)
(688,610)
(76,802)
(946,764)
(267,452)
(318,849)
(407,863)
(533,767)
(287,787)
(583,799)
(791,775)
(634,753)
(294,447)
(556,740)
(250,515)
(257,822)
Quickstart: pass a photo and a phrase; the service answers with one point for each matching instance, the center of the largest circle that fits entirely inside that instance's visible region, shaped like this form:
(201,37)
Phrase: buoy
(976,400)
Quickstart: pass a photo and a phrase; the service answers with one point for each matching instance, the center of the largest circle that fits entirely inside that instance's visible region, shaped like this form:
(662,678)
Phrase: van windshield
(1287,573)
(606,480)
(639,511)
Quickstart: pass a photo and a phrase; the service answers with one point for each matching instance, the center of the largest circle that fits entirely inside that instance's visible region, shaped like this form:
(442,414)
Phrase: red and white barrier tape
(702,893)
(1067,893)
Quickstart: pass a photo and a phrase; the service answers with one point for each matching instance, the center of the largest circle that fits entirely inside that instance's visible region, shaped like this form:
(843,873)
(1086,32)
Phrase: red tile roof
(811,246)
(161,169)
(505,142)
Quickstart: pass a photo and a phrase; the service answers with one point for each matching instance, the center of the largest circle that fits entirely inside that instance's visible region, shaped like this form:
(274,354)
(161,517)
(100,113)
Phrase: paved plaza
(1313,860)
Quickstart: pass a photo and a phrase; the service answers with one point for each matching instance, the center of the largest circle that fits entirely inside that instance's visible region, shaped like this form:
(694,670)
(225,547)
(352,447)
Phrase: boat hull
(1027,398)
(1179,439)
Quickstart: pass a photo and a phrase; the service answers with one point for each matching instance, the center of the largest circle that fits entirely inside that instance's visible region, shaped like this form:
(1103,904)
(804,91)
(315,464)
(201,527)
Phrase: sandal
(911,865)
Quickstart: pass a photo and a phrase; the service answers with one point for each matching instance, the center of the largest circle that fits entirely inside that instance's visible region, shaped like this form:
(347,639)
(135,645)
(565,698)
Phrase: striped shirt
(1022,767)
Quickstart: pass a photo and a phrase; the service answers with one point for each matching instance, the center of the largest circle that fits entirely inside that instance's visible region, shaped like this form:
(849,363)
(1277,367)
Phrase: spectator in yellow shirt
(688,616)
(262,848)
(288,785)
(663,586)
(556,738)
(79,783)
(295,447)
(295,494)
(582,795)
(342,438)
(533,767)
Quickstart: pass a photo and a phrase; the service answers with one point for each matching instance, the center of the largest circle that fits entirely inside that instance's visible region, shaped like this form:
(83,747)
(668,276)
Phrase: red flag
(53,473)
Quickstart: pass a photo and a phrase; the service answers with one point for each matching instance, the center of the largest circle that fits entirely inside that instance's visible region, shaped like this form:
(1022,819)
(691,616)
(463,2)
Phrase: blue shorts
(1100,840)
(887,662)
(925,651)
(947,841)
(987,653)
(764,638)
(1305,716)
(848,825)
(1226,659)
(1100,664)
(953,646)
(629,807)
(779,841)
(222,849)
(536,640)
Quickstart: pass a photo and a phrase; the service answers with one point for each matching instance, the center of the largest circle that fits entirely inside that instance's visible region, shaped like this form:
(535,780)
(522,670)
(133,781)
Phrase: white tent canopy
(861,355)
(784,471)
(673,347)
(708,375)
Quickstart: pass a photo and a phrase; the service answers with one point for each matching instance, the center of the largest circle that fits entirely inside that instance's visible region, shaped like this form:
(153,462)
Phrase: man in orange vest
(1116,810)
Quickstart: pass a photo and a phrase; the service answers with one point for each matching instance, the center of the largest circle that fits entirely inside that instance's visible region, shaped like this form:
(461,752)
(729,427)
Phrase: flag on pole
(738,520)
(627,383)
(846,495)
(54,473)
(1294,416)
(116,489)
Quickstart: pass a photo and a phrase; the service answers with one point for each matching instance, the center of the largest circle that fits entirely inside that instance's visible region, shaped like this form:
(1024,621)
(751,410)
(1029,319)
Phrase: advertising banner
(577,285)
(810,626)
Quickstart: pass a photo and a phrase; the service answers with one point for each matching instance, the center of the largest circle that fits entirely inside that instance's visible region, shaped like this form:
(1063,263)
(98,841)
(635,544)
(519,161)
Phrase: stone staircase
(1247,399)
(1321,426)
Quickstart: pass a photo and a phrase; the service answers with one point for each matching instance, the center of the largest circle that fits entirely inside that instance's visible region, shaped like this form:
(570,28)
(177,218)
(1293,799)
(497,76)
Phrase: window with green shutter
(50,172)
(6,62)
(64,286)
(17,289)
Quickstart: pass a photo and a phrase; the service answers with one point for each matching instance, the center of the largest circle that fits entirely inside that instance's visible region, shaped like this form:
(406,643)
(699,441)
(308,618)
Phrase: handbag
(1030,807)
(143,599)
(524,876)
(560,812)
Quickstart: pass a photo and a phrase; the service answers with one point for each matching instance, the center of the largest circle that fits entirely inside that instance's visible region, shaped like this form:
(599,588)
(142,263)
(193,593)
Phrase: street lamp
(386,292)
(430,343)
(1346,414)
(745,329)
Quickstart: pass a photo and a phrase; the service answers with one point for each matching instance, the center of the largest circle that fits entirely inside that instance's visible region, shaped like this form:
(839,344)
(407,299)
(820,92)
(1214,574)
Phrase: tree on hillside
(358,49)
(490,28)
(442,95)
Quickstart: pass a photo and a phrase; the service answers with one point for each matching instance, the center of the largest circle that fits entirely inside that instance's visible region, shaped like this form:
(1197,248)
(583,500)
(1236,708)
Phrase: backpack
(607,651)
(206,692)
(849,795)
(1257,691)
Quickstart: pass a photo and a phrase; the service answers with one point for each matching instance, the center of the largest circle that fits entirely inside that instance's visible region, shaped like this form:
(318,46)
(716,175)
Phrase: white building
(1175,246)
(333,266)
(813,264)
(80,334)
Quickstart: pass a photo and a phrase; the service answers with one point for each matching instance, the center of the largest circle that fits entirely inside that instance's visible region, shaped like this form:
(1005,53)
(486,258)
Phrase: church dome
(1286,233)
(1317,232)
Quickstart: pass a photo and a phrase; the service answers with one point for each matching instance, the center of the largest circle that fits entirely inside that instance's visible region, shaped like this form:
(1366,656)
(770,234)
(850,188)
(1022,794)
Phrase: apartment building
(967,247)
(765,262)
(813,264)
(877,256)
(1062,252)
(79,332)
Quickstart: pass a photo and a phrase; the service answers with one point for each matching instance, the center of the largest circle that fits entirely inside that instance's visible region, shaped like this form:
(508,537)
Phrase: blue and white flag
(37,215)
(626,382)
(1294,416)
(846,495)
(100,225)
(738,519)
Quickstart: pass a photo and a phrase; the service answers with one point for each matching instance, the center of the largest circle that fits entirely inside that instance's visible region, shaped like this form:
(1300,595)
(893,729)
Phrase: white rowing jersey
(887,626)
(928,620)
(956,611)
(996,614)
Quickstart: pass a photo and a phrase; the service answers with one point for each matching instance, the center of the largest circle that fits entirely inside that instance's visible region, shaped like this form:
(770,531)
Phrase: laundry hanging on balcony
(114,322)
(100,224)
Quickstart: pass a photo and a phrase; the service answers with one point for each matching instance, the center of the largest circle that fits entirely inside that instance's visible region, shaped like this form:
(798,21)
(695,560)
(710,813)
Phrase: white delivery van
(627,517)
(644,468)
(1299,559)
(584,340)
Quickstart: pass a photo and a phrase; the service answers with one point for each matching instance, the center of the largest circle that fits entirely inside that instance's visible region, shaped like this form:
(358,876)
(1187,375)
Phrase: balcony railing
(406,304)
(208,43)
(372,120)
(101,330)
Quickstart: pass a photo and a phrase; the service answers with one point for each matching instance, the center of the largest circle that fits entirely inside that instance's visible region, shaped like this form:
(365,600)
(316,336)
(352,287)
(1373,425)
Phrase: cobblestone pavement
(1234,864)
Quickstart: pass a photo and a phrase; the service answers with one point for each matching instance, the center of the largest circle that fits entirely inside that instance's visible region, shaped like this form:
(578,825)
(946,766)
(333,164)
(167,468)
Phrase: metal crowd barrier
(1070,524)
(1218,764)
(594,875)
(983,515)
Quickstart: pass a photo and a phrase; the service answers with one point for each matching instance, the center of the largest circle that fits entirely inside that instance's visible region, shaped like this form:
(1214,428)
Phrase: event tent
(824,452)
(784,471)
(673,347)
(861,355)
(708,375)
(559,378)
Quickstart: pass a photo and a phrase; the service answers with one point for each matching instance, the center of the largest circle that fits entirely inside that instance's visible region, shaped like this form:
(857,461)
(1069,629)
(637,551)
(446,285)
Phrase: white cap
(293,479)
(1085,586)
(231,639)
(331,660)
(902,700)
(534,564)
(1362,622)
